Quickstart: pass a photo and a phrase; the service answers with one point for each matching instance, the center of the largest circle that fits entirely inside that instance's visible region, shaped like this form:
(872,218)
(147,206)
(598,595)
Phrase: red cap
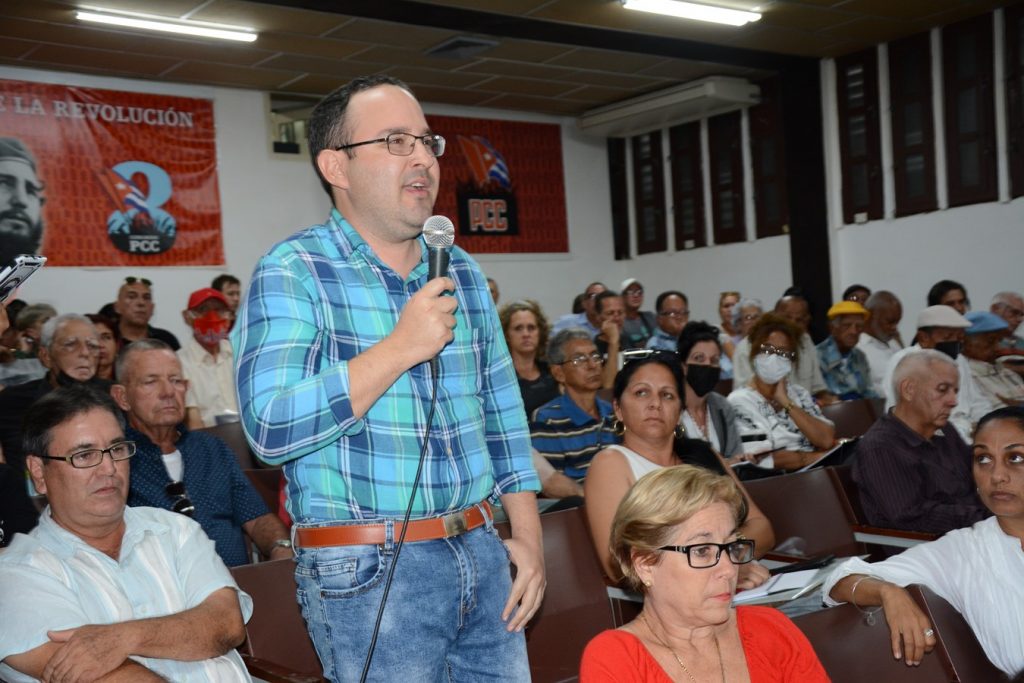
(201,295)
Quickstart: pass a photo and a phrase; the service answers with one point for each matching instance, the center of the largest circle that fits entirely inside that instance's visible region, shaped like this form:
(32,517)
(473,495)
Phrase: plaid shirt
(317,300)
(849,376)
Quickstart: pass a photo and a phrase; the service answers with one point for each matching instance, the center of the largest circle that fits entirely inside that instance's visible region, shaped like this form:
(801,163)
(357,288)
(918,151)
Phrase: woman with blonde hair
(676,539)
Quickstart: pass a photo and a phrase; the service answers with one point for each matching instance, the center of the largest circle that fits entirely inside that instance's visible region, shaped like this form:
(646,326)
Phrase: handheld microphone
(439,234)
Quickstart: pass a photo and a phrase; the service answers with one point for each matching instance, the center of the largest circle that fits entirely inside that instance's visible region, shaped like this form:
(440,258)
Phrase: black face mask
(950,348)
(702,378)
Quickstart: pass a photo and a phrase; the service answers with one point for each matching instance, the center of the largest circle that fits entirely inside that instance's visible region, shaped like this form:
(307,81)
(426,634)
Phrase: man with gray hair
(1010,307)
(880,339)
(912,469)
(568,431)
(21,201)
(69,349)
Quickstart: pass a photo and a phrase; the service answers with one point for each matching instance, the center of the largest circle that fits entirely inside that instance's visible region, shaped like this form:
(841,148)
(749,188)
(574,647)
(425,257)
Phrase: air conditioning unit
(670,107)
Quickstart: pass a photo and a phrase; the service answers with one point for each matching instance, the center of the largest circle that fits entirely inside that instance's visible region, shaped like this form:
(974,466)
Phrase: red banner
(502,183)
(108,178)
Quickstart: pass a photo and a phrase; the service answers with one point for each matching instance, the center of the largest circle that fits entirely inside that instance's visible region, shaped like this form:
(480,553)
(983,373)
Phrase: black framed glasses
(131,280)
(403,144)
(584,358)
(122,450)
(182,504)
(706,555)
(776,351)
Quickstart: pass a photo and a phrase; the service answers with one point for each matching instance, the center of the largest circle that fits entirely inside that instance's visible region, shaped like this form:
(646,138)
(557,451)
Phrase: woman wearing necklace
(676,539)
(526,333)
(707,415)
(647,404)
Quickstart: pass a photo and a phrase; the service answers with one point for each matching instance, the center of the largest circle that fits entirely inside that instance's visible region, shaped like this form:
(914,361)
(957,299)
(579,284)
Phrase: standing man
(21,201)
(207,359)
(134,308)
(334,383)
(881,336)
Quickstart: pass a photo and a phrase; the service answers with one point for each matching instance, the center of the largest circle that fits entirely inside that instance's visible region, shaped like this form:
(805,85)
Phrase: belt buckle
(454,524)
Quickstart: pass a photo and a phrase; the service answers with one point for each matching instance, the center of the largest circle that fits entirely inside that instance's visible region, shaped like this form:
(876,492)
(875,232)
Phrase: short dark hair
(599,299)
(223,280)
(848,292)
(941,289)
(326,125)
(1014,414)
(666,359)
(694,333)
(664,295)
(773,322)
(57,407)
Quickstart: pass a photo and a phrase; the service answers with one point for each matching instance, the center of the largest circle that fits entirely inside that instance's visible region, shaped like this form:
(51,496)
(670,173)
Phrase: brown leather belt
(449,525)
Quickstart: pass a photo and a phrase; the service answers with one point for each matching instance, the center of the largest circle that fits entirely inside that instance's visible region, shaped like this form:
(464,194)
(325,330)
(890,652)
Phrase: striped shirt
(568,436)
(51,579)
(322,297)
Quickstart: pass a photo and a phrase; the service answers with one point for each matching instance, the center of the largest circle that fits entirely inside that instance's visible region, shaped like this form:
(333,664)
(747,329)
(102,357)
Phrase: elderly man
(69,349)
(569,430)
(844,366)
(207,360)
(99,591)
(191,472)
(913,472)
(134,308)
(881,336)
(1001,387)
(940,327)
(21,201)
(807,371)
(639,325)
(673,313)
(589,319)
(1010,307)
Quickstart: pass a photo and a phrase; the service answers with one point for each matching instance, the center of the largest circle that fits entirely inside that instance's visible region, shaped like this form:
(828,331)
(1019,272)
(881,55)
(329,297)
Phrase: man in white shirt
(942,328)
(881,336)
(207,360)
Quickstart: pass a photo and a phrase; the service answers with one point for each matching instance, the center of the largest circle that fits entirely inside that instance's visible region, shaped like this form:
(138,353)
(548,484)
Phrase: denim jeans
(442,621)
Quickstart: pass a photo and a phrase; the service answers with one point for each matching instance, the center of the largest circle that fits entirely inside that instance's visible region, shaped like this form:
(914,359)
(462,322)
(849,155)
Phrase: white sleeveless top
(638,464)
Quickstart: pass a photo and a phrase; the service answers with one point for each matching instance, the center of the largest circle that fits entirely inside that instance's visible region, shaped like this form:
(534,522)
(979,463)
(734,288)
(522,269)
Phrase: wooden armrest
(895,533)
(275,673)
(783,557)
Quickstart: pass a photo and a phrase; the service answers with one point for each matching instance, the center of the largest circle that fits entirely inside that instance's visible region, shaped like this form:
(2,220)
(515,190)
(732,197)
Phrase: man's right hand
(426,323)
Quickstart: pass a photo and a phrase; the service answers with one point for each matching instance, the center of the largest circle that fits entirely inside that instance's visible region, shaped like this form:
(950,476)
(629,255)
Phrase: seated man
(207,360)
(1000,386)
(612,311)
(99,591)
(230,287)
(588,319)
(1010,307)
(844,366)
(572,428)
(881,336)
(638,325)
(134,308)
(192,472)
(913,470)
(673,312)
(940,327)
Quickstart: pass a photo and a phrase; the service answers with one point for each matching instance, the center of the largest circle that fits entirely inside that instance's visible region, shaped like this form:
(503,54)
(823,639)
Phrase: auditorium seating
(267,483)
(234,437)
(854,652)
(852,418)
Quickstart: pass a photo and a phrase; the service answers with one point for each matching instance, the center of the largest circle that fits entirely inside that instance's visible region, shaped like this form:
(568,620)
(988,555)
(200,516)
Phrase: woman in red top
(675,539)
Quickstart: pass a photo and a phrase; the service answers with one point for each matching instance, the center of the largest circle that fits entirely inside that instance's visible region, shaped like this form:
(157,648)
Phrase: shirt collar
(352,242)
(65,544)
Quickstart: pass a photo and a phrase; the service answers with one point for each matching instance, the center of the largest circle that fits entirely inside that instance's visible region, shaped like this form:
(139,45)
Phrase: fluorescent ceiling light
(693,10)
(150,22)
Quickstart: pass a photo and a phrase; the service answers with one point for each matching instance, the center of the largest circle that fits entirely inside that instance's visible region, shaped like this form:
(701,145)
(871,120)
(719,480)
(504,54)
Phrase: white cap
(627,282)
(941,316)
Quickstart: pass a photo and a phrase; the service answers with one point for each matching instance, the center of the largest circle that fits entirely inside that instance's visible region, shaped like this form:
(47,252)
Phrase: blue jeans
(442,621)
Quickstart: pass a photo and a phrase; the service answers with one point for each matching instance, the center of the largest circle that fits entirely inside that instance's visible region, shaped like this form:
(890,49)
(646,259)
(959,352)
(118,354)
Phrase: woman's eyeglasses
(776,351)
(706,555)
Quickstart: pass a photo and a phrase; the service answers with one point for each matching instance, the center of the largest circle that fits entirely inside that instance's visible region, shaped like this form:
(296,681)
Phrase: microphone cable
(405,522)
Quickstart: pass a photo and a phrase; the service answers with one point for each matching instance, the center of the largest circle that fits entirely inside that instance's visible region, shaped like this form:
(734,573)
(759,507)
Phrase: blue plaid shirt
(849,376)
(317,300)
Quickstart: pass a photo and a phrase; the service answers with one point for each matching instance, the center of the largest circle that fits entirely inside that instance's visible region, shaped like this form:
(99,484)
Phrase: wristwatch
(281,543)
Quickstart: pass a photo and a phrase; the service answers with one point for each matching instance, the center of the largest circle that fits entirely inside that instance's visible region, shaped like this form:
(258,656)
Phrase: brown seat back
(268,484)
(276,632)
(805,505)
(963,653)
(575,605)
(234,437)
(852,418)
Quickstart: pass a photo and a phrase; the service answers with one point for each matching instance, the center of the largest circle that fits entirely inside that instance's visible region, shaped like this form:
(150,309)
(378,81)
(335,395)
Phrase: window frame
(766,127)
(655,161)
(685,151)
(725,130)
(900,96)
(872,158)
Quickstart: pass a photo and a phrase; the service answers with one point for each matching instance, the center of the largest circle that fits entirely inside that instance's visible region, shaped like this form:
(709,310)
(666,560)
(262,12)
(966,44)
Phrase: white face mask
(772,368)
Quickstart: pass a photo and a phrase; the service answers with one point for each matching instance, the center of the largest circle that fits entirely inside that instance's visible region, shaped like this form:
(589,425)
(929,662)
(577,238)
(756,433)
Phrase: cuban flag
(123,192)
(485,161)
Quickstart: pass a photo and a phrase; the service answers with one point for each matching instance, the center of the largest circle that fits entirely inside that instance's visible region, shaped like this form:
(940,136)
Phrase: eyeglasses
(403,144)
(122,450)
(749,317)
(633,355)
(776,351)
(706,555)
(635,291)
(675,315)
(131,280)
(582,359)
(74,344)
(182,504)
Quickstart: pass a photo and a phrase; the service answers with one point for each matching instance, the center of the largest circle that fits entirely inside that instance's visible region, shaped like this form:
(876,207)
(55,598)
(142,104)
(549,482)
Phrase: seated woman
(707,415)
(676,539)
(726,302)
(977,569)
(779,422)
(526,333)
(647,404)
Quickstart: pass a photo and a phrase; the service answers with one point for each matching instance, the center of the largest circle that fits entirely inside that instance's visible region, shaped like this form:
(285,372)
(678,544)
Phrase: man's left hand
(281,552)
(528,588)
(87,653)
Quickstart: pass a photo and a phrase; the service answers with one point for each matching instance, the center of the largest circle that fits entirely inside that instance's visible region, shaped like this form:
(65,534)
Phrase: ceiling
(559,57)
